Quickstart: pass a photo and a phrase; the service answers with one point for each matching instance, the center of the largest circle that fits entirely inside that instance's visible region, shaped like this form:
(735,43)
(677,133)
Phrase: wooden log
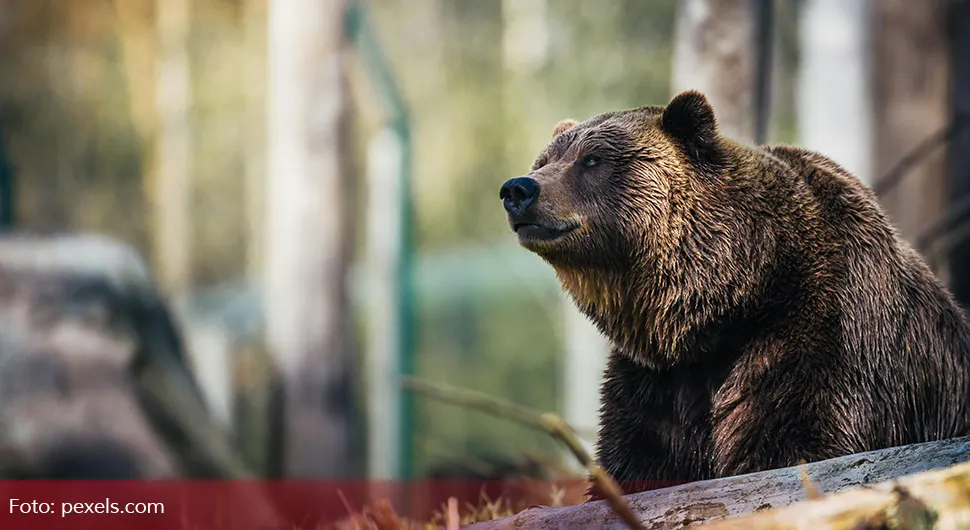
(94,381)
(935,499)
(68,408)
(95,287)
(712,500)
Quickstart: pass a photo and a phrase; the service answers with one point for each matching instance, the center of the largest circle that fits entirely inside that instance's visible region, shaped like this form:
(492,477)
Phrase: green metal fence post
(397,119)
(6,187)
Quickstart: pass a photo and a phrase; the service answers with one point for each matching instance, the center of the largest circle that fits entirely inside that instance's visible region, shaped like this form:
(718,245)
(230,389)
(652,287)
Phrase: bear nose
(518,193)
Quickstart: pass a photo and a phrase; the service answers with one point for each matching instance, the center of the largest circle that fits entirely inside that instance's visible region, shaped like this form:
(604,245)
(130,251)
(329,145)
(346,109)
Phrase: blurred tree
(911,86)
(170,184)
(254,166)
(958,15)
(138,52)
(834,98)
(715,53)
(6,186)
(309,236)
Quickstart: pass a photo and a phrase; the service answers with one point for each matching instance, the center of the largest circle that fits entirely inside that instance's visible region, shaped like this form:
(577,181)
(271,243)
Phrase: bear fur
(761,307)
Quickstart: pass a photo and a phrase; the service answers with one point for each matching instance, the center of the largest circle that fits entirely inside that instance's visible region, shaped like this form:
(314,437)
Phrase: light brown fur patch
(563,126)
(587,288)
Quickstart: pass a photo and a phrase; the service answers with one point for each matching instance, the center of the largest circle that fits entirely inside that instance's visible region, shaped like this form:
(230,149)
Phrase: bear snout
(518,194)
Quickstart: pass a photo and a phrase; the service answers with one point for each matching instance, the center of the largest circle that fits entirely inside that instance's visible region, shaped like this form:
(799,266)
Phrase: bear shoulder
(844,203)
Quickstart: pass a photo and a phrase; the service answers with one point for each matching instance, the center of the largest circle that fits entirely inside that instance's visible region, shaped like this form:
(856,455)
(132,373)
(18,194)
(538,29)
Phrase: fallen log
(937,499)
(84,311)
(713,500)
(76,313)
(94,379)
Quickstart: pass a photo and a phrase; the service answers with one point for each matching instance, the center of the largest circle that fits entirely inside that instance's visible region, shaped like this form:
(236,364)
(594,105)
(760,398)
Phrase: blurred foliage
(483,99)
(478,123)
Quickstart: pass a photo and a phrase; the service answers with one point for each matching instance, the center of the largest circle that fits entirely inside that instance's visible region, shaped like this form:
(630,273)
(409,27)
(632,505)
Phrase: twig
(350,510)
(453,518)
(549,422)
(894,176)
(810,490)
(941,251)
(944,225)
(470,398)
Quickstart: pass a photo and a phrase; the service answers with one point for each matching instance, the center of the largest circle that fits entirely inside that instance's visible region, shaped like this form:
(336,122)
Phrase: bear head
(638,213)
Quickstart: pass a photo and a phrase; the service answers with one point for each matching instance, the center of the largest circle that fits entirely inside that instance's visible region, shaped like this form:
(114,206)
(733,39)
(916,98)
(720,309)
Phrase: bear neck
(657,328)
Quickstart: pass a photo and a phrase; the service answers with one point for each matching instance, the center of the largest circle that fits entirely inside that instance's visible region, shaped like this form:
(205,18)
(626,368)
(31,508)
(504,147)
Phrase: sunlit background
(315,183)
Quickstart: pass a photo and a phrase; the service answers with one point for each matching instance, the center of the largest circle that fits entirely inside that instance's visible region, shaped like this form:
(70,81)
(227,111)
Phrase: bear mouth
(534,232)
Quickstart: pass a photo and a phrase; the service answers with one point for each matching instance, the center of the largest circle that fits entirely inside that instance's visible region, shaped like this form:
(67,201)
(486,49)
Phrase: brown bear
(761,307)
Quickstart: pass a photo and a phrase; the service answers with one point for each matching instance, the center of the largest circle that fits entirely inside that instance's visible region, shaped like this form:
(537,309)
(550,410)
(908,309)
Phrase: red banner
(109,505)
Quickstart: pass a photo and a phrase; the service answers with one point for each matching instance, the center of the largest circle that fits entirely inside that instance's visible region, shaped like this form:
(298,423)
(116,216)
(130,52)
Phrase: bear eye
(591,161)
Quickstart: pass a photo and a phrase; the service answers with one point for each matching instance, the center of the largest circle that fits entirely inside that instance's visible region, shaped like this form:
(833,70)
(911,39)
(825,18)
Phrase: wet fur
(761,307)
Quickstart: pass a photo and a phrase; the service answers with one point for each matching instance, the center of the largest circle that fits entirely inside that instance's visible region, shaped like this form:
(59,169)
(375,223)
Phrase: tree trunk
(959,189)
(911,103)
(7,187)
(834,111)
(309,236)
(171,186)
(715,54)
(254,39)
(587,351)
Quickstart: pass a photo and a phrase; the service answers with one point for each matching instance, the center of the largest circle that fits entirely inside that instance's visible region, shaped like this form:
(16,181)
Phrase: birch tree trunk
(715,54)
(170,189)
(309,236)
(834,105)
(254,39)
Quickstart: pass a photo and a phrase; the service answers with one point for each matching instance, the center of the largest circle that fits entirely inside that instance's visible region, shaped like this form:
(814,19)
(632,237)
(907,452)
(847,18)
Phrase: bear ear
(689,119)
(563,126)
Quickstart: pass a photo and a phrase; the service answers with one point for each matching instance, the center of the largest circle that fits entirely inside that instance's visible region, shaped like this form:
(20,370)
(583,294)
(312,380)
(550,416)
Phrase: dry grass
(452,514)
(551,423)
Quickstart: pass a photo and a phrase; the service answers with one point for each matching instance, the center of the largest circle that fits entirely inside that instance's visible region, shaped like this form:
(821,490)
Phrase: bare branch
(549,422)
